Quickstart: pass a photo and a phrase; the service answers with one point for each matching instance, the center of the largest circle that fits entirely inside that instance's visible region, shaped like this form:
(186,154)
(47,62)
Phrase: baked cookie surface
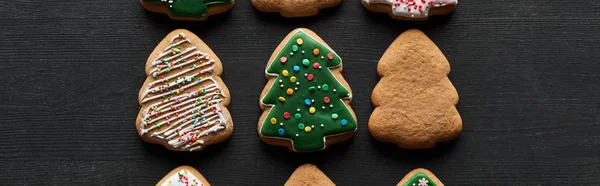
(294,8)
(183,176)
(183,100)
(420,177)
(411,9)
(308,175)
(414,100)
(306,100)
(190,10)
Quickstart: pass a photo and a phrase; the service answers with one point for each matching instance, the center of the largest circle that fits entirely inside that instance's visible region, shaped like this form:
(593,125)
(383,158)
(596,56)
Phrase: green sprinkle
(334,116)
(298,115)
(295,48)
(301,126)
(325,87)
(305,62)
(312,88)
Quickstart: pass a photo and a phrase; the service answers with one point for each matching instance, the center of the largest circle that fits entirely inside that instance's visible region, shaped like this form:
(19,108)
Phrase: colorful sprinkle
(312,88)
(280,132)
(310,77)
(326,99)
(299,41)
(296,68)
(334,116)
(316,65)
(284,73)
(295,48)
(330,56)
(282,99)
(325,87)
(293,79)
(312,110)
(289,91)
(283,60)
(297,115)
(286,115)
(316,51)
(344,122)
(273,121)
(305,62)
(307,129)
(301,126)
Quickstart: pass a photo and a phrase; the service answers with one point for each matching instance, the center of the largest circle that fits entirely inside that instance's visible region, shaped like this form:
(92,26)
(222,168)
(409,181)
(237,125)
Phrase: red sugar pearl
(283,60)
(326,99)
(316,65)
(286,115)
(330,56)
(310,77)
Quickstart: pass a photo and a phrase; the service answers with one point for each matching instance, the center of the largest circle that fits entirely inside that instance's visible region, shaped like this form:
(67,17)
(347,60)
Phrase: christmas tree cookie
(183,176)
(189,10)
(308,175)
(411,9)
(420,177)
(414,100)
(183,100)
(294,8)
(306,101)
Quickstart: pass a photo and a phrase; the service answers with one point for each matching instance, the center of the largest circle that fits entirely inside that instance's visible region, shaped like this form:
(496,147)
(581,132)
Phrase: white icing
(183,178)
(181,118)
(413,8)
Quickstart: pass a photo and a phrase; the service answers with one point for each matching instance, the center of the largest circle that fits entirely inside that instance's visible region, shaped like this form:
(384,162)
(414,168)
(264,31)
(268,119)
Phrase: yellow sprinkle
(282,99)
(312,110)
(299,41)
(293,79)
(284,73)
(307,129)
(273,121)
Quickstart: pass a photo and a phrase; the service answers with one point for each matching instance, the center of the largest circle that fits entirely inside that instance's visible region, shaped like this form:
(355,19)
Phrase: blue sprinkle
(203,119)
(344,122)
(280,132)
(296,68)
(307,101)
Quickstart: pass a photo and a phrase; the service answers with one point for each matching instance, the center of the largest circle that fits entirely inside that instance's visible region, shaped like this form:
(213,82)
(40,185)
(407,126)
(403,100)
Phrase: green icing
(322,77)
(189,8)
(414,180)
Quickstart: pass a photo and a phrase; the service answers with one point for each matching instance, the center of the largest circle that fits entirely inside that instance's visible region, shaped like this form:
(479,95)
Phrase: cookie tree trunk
(306,98)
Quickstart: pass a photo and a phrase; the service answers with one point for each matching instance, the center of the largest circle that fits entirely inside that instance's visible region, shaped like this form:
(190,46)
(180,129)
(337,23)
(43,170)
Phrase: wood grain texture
(527,73)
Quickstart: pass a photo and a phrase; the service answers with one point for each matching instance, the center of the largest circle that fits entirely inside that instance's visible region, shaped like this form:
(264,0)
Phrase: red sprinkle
(326,99)
(330,56)
(316,65)
(286,115)
(283,60)
(310,77)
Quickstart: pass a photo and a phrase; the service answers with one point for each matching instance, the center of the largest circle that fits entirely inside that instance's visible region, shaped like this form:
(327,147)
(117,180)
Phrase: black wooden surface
(527,73)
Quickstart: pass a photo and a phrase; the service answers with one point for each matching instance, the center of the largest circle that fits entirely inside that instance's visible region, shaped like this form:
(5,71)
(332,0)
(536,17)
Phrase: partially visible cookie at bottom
(183,176)
(411,10)
(420,177)
(294,8)
(308,175)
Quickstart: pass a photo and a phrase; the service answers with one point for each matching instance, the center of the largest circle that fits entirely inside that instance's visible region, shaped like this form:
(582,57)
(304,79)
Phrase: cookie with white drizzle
(411,9)
(183,176)
(183,100)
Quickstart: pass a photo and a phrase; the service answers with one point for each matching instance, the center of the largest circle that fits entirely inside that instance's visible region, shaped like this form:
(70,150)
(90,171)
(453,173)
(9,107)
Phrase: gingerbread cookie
(420,177)
(183,100)
(189,10)
(411,9)
(294,8)
(306,101)
(308,175)
(414,100)
(183,176)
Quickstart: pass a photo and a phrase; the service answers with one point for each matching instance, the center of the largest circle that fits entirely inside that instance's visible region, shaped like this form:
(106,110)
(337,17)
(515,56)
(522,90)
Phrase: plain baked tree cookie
(294,8)
(414,100)
(411,9)
(308,175)
(306,102)
(183,176)
(188,10)
(183,100)
(420,177)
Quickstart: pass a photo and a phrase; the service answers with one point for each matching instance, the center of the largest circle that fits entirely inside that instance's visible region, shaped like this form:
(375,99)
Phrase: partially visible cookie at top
(411,9)
(294,8)
(183,100)
(415,102)
(420,177)
(188,10)
(183,176)
(308,175)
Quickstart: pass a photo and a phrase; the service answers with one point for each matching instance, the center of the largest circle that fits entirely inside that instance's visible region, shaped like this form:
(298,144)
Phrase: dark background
(527,73)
